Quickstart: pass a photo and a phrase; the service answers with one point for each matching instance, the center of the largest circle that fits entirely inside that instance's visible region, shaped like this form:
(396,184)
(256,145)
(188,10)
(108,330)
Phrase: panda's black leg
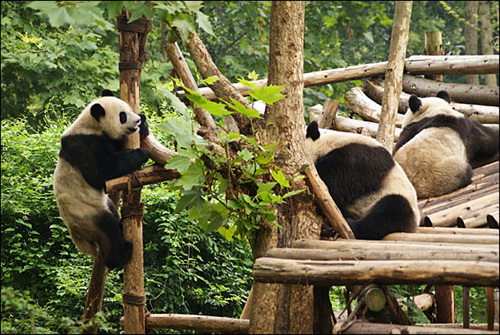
(115,250)
(390,214)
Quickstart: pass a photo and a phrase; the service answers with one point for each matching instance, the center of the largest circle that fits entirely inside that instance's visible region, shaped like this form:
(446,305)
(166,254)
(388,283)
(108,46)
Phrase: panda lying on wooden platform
(92,151)
(438,145)
(371,190)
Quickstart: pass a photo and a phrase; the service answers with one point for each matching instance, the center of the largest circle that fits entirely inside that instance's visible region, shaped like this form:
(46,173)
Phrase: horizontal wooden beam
(383,328)
(486,64)
(452,65)
(145,176)
(459,231)
(399,252)
(328,273)
(443,238)
(199,323)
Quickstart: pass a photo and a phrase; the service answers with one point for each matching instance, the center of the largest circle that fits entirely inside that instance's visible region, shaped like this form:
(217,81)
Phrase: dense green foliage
(55,63)
(186,270)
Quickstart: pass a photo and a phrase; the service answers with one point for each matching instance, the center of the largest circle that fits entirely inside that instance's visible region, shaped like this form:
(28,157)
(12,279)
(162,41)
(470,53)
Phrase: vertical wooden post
(394,73)
(132,43)
(445,303)
(465,306)
(434,46)
(490,309)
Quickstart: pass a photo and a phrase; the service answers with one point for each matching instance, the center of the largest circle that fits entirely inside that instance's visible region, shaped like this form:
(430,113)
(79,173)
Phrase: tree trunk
(434,46)
(486,38)
(284,308)
(394,73)
(471,36)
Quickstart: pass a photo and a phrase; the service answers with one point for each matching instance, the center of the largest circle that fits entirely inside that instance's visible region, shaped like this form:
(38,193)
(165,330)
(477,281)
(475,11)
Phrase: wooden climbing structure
(458,243)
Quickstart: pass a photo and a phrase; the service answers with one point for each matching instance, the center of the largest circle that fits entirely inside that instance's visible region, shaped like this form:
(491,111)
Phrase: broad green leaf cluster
(212,182)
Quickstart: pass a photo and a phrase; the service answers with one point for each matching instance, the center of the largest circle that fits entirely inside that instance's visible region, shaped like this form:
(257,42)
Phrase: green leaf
(213,108)
(237,106)
(245,155)
(253,75)
(246,82)
(269,94)
(189,198)
(192,177)
(292,193)
(179,162)
(193,6)
(227,232)
(204,23)
(210,80)
(280,178)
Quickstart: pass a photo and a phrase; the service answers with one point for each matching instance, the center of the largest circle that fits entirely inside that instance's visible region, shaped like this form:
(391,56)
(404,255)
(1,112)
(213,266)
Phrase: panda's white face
(429,107)
(118,120)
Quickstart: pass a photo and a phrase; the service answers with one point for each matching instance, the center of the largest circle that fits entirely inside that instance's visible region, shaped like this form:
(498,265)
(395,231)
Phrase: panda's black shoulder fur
(342,170)
(100,158)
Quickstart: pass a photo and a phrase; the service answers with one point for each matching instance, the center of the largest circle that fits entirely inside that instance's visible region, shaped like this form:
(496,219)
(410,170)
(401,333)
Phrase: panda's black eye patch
(123,117)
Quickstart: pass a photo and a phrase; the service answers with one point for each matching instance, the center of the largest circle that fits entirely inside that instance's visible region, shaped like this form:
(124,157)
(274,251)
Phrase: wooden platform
(439,254)
(473,206)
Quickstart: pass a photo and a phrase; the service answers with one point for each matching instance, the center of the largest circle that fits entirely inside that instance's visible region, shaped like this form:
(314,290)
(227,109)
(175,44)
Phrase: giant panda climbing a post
(93,151)
(371,190)
(438,145)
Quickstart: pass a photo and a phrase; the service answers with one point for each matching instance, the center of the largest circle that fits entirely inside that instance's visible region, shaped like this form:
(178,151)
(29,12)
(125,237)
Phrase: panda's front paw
(143,127)
(143,155)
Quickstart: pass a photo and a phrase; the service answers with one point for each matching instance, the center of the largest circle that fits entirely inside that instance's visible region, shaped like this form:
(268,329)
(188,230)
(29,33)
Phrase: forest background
(55,61)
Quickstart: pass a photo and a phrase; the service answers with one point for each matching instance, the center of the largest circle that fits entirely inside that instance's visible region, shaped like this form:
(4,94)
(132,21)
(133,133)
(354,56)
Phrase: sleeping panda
(371,190)
(92,151)
(438,145)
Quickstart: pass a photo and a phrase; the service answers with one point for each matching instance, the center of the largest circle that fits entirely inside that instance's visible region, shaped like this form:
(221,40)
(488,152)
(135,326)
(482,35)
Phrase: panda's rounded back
(116,119)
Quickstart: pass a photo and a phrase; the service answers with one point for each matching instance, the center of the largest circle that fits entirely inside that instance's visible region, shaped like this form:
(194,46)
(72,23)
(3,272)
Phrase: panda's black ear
(444,95)
(414,103)
(107,93)
(97,111)
(313,131)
